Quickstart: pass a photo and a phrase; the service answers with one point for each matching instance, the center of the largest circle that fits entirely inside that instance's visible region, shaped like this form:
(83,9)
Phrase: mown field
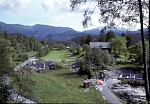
(58,55)
(63,86)
(31,54)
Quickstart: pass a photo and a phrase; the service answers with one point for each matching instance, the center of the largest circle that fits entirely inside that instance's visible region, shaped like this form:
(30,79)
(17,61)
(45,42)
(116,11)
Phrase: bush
(124,82)
(86,47)
(61,47)
(78,49)
(73,50)
(22,57)
(115,84)
(133,82)
(43,52)
(99,57)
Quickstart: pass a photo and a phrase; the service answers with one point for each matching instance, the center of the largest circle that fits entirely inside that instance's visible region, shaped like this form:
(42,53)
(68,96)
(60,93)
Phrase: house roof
(128,75)
(49,63)
(100,44)
(39,64)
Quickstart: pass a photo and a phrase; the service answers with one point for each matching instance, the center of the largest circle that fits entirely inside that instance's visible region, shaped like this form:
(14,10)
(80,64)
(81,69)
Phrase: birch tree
(122,12)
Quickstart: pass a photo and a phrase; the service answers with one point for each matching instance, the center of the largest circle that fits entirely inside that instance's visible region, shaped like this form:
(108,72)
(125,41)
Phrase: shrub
(124,82)
(99,57)
(61,47)
(78,49)
(133,82)
(86,47)
(72,50)
(22,57)
(114,84)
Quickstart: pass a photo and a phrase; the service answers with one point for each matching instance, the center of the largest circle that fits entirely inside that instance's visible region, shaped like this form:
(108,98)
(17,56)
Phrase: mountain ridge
(54,33)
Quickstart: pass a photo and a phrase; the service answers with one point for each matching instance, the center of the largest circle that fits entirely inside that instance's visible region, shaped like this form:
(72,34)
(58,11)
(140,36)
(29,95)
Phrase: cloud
(54,6)
(48,4)
(14,5)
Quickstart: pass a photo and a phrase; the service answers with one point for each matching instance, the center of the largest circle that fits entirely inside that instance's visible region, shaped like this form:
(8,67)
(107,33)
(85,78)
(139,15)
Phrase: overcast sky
(48,12)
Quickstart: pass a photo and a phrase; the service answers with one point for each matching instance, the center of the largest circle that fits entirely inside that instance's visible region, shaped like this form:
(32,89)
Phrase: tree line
(13,47)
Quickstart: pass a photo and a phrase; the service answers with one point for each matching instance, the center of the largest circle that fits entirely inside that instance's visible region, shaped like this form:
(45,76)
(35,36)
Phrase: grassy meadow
(63,86)
(31,54)
(59,55)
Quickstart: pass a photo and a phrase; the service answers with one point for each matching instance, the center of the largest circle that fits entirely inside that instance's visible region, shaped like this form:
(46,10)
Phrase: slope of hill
(40,31)
(56,33)
(118,31)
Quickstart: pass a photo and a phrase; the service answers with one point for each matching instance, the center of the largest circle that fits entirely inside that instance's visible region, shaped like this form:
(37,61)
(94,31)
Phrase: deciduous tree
(126,11)
(119,44)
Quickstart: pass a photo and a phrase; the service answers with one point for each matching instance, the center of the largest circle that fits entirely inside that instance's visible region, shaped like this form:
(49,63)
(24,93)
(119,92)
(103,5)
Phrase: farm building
(42,64)
(127,76)
(103,45)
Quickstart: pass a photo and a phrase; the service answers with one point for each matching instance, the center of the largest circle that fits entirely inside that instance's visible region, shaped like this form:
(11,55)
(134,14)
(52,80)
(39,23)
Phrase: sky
(46,12)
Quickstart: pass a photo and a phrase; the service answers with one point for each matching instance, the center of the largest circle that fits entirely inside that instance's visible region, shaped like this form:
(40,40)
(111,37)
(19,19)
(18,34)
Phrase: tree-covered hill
(57,33)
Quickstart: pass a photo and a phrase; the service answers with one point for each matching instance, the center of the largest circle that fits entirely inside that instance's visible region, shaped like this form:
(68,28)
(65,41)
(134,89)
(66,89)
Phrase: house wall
(107,49)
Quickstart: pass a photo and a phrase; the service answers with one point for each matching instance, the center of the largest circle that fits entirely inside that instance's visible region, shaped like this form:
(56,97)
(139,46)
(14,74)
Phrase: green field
(31,54)
(58,55)
(63,86)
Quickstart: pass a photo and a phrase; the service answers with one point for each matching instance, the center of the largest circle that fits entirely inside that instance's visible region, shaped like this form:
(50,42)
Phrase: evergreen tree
(110,35)
(44,42)
(4,69)
(129,40)
(5,35)
(123,34)
(86,39)
(1,35)
(20,38)
(102,37)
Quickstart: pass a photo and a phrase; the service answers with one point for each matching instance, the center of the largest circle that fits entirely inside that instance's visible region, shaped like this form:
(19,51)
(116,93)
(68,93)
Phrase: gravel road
(107,93)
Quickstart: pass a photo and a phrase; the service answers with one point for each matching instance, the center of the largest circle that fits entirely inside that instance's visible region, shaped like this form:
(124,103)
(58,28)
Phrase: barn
(103,45)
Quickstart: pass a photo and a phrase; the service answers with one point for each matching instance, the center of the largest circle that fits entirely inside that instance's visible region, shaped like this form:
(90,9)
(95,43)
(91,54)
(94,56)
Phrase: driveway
(106,91)
(18,67)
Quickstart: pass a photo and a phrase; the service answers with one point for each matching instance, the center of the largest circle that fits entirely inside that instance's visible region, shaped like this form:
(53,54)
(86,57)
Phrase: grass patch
(31,54)
(126,66)
(58,55)
(123,59)
(63,86)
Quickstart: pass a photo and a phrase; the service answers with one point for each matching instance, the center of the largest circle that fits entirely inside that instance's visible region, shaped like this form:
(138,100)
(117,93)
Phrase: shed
(103,45)
(128,76)
(39,64)
(47,63)
(87,83)
(67,47)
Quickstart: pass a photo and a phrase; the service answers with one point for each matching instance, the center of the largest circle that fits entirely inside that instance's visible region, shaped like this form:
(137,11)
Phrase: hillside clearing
(58,55)
(31,54)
